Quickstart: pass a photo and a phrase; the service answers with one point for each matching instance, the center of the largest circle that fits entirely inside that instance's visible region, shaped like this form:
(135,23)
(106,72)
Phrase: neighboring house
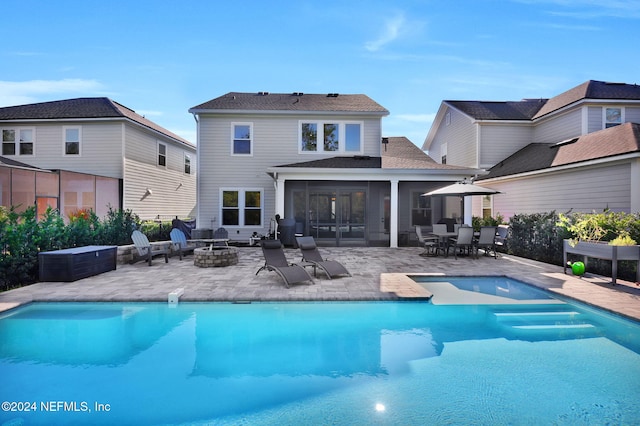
(153,169)
(318,161)
(573,151)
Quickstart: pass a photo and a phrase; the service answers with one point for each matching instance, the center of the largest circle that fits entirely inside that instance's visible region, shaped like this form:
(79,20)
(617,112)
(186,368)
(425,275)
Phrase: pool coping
(378,274)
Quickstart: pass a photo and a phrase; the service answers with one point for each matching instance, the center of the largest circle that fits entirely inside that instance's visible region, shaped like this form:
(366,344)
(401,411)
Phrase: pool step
(561,322)
(553,326)
(508,316)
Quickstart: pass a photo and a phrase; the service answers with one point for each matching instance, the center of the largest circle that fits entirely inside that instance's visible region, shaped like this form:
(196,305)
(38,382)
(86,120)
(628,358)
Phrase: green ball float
(577,268)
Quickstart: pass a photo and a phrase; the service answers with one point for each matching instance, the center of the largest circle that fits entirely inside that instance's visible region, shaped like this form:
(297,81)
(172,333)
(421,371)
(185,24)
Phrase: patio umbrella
(462,189)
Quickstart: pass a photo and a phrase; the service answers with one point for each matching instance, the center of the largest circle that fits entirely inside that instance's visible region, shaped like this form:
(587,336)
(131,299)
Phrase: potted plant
(588,232)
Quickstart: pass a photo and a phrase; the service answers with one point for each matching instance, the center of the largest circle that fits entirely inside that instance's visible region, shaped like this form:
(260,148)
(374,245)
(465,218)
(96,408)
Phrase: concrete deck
(378,274)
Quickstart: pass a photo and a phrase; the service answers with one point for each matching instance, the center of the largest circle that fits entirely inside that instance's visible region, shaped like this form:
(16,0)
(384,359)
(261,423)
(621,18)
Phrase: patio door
(337,215)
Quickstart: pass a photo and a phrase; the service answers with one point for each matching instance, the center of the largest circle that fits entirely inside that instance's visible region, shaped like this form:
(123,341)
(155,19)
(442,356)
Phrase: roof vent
(263,93)
(297,93)
(332,95)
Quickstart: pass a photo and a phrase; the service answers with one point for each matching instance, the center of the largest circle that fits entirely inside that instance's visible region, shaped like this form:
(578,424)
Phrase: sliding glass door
(336,215)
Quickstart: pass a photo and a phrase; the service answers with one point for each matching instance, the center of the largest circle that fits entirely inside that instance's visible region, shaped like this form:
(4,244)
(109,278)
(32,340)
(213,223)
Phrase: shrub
(22,237)
(19,250)
(118,226)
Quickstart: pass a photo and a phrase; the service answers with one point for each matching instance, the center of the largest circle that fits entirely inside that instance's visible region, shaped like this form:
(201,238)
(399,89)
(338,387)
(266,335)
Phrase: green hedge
(537,236)
(22,237)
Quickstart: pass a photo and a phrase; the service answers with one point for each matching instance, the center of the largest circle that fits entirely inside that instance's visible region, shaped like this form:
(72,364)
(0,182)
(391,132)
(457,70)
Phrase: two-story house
(103,154)
(316,160)
(579,150)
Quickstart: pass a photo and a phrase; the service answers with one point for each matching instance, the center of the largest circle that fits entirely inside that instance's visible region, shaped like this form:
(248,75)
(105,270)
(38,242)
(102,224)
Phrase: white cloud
(391,31)
(25,92)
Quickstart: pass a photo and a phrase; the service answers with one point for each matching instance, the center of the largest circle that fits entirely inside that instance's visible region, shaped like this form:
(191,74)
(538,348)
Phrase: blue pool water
(471,290)
(317,363)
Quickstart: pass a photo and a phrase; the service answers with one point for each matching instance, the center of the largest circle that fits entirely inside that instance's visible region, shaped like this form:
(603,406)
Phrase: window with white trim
(72,140)
(443,153)
(613,116)
(241,138)
(241,207)
(18,141)
(162,155)
(330,136)
(187,164)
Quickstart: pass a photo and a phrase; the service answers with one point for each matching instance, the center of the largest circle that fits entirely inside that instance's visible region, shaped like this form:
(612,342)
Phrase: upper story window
(241,139)
(341,137)
(162,155)
(72,140)
(18,141)
(187,164)
(613,116)
(443,154)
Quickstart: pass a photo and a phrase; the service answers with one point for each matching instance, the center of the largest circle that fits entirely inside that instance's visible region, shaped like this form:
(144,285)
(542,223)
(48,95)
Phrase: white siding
(498,141)
(460,137)
(632,114)
(579,190)
(100,149)
(275,143)
(559,128)
(173,193)
(595,119)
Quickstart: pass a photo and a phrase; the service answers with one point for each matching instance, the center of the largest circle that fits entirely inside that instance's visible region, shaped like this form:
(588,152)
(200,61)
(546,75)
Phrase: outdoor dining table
(444,239)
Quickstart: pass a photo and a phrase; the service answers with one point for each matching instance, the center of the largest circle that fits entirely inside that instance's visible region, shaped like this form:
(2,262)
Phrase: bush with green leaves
(479,222)
(22,237)
(604,226)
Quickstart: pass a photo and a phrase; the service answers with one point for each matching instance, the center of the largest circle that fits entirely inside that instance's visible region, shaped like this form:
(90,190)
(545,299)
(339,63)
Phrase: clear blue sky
(160,58)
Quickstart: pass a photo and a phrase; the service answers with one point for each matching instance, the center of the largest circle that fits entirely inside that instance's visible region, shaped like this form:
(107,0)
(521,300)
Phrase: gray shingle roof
(263,101)
(617,140)
(490,110)
(591,89)
(400,153)
(530,109)
(353,162)
(81,108)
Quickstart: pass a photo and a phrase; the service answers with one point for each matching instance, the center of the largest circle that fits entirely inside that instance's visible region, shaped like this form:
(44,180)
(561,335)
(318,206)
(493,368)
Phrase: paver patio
(378,274)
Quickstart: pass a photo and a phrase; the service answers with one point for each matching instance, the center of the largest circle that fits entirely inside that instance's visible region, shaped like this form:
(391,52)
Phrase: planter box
(602,250)
(76,263)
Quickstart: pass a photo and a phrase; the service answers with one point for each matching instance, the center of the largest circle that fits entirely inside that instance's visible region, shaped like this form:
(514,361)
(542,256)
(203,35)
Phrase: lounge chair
(487,240)
(179,242)
(464,241)
(276,261)
(431,243)
(311,255)
(145,249)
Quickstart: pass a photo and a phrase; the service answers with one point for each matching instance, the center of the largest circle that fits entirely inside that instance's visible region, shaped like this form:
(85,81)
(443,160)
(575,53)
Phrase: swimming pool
(317,363)
(481,290)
